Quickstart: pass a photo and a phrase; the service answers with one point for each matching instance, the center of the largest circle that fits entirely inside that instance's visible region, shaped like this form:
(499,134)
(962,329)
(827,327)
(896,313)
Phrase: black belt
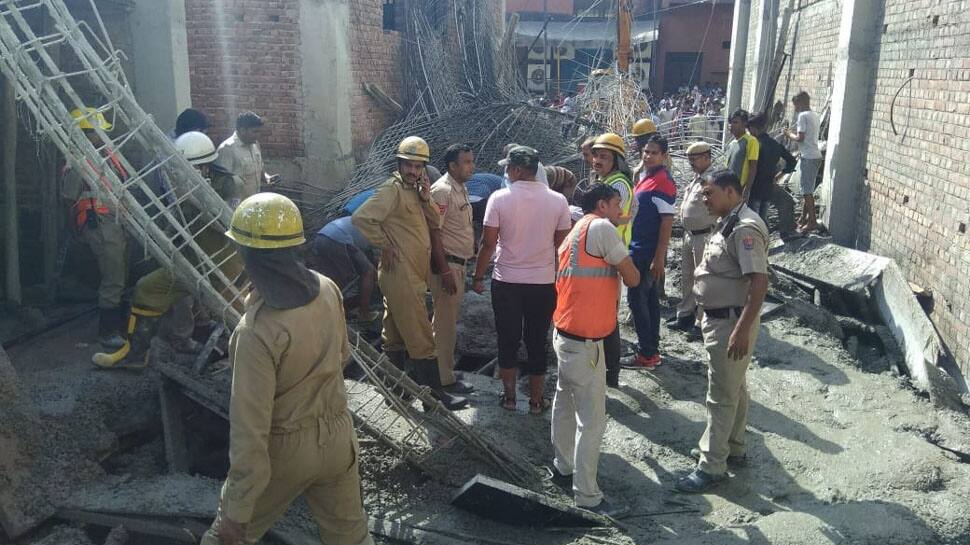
(572,337)
(722,313)
(702,231)
(457,260)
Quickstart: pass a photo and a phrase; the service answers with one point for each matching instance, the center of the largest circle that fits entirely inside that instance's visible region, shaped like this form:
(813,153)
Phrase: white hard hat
(196,147)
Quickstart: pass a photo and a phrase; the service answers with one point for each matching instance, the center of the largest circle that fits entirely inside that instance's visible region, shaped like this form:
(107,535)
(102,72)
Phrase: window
(390,15)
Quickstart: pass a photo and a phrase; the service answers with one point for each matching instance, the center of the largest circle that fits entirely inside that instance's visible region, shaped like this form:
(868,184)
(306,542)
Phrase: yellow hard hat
(267,220)
(610,141)
(644,126)
(414,148)
(85,116)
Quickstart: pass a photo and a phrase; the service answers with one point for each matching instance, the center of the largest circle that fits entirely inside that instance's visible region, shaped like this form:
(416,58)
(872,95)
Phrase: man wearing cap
(524,224)
(397,220)
(241,155)
(455,245)
(698,222)
(730,284)
(506,182)
(96,225)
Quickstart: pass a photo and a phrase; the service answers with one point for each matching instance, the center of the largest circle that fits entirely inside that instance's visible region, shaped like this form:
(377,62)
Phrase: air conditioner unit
(565,51)
(537,76)
(537,52)
(640,71)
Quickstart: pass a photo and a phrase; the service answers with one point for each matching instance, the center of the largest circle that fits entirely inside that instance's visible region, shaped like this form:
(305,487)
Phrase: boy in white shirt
(810,160)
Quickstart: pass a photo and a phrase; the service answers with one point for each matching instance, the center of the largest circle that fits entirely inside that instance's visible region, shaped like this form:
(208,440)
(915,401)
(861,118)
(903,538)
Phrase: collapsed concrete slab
(504,502)
(876,282)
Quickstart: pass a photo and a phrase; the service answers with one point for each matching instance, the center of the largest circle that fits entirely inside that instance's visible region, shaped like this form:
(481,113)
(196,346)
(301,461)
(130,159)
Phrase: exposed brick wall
(252,64)
(916,196)
(375,59)
(919,179)
(812,42)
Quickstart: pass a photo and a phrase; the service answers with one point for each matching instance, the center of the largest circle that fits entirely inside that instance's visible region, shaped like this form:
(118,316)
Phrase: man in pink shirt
(524,224)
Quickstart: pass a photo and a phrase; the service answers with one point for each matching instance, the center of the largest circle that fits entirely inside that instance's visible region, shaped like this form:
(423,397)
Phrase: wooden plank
(176,453)
(180,533)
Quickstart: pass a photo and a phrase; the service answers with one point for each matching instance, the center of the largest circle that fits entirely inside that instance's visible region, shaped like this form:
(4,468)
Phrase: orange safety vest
(84,205)
(586,288)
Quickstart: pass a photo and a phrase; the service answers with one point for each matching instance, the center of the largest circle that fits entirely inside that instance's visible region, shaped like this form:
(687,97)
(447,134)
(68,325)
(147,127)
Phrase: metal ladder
(157,216)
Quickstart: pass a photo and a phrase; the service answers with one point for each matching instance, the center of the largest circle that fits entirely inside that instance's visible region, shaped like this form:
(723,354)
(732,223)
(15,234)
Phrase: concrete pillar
(327,92)
(739,47)
(765,46)
(161,59)
(855,69)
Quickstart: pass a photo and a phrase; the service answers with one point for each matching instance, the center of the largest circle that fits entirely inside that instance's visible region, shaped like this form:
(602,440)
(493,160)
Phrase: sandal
(507,403)
(539,408)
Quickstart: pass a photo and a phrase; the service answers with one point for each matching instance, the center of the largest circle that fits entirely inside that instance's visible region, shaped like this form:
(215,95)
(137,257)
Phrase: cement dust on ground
(836,454)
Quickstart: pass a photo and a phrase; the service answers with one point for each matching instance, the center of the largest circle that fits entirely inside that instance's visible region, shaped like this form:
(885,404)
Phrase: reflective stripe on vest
(587,287)
(626,230)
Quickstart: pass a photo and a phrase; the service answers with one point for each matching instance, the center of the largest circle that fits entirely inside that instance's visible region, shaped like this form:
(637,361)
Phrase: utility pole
(624,22)
(545,47)
(9,122)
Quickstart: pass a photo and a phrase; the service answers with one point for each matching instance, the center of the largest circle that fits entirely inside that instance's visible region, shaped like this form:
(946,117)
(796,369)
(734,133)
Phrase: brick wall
(918,195)
(812,43)
(375,59)
(253,63)
(914,204)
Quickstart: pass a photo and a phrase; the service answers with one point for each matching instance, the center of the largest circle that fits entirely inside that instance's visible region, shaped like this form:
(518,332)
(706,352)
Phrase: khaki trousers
(406,325)
(319,462)
(691,254)
(110,247)
(579,415)
(447,309)
(727,395)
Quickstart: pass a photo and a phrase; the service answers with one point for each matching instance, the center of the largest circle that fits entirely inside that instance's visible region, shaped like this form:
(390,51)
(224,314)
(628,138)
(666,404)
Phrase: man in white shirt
(810,160)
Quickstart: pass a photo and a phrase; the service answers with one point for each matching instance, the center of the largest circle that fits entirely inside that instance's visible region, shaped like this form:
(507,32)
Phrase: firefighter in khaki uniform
(730,284)
(457,247)
(397,219)
(290,433)
(97,226)
(698,224)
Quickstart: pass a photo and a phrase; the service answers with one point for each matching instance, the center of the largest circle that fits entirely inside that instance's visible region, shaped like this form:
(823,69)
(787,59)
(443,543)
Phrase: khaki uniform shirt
(287,374)
(694,214)
(457,232)
(245,161)
(396,215)
(719,280)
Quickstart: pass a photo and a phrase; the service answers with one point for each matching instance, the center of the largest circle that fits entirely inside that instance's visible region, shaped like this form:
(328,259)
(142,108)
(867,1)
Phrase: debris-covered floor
(841,450)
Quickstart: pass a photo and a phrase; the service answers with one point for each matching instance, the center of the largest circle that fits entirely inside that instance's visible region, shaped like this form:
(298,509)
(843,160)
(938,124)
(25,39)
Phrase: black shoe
(609,509)
(698,481)
(459,387)
(562,481)
(425,373)
(684,323)
(613,378)
(734,460)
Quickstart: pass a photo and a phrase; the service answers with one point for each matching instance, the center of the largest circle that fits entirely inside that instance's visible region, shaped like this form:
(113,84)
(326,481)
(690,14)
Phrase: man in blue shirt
(655,193)
(341,254)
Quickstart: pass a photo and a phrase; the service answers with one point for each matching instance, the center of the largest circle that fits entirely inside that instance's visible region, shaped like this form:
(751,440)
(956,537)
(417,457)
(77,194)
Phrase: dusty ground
(837,454)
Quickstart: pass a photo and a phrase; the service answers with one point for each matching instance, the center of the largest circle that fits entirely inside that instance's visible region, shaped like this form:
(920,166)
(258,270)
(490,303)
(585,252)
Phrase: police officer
(397,220)
(730,284)
(455,246)
(290,432)
(698,223)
